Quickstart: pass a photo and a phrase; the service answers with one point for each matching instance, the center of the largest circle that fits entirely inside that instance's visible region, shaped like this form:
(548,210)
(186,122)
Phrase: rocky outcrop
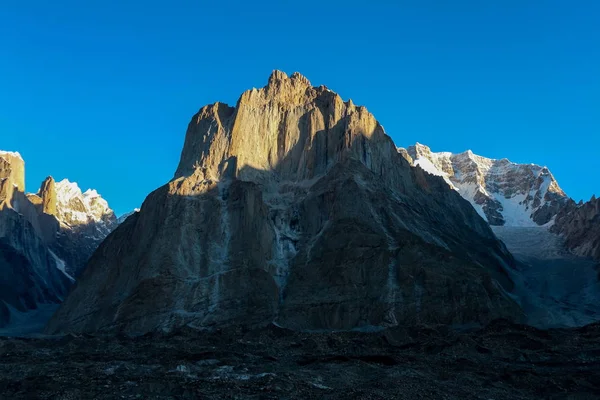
(579,224)
(502,192)
(85,220)
(29,273)
(293,207)
(47,193)
(40,249)
(77,209)
(12,167)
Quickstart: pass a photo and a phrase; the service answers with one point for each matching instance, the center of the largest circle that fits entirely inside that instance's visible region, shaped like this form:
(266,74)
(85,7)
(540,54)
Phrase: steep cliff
(579,224)
(41,247)
(29,270)
(293,207)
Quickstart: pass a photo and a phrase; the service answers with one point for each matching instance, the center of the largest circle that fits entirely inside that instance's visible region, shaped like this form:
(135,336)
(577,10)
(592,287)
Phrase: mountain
(123,217)
(579,224)
(553,240)
(502,192)
(294,208)
(45,238)
(85,220)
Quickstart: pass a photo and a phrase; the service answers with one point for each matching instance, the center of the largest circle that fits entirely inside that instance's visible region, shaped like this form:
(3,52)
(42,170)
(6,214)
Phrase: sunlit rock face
(29,271)
(81,220)
(502,192)
(293,207)
(41,246)
(85,220)
(12,168)
(580,226)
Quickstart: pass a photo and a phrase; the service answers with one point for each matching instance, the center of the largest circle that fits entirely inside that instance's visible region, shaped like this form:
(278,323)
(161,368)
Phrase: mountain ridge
(293,207)
(502,192)
(41,249)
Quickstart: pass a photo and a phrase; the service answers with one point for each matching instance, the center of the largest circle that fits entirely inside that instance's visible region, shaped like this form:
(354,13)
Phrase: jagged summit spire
(277,75)
(47,193)
(280,76)
(12,167)
(288,128)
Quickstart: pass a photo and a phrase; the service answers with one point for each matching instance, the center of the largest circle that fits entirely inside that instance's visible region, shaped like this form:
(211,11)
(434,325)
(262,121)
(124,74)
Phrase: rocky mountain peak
(502,192)
(286,130)
(579,224)
(279,78)
(13,154)
(419,150)
(48,195)
(12,171)
(293,207)
(77,208)
(45,237)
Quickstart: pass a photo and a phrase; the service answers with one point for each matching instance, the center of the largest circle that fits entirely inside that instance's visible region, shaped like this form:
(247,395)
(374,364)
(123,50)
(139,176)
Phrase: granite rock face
(29,270)
(579,224)
(12,168)
(502,192)
(39,251)
(47,193)
(293,207)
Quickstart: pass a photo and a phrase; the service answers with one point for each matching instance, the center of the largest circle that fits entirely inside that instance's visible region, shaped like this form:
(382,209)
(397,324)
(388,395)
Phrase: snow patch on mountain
(75,207)
(61,266)
(428,166)
(502,192)
(11,153)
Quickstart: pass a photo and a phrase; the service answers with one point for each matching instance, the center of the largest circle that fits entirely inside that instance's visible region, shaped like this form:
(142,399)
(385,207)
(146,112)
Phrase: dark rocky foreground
(502,361)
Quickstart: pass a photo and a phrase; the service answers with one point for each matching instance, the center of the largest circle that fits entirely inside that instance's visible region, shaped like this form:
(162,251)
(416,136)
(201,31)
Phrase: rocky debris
(502,192)
(501,361)
(295,207)
(579,224)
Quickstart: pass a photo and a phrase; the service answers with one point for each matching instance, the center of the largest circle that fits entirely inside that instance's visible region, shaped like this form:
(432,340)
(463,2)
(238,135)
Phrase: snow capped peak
(10,153)
(66,190)
(76,208)
(91,193)
(502,192)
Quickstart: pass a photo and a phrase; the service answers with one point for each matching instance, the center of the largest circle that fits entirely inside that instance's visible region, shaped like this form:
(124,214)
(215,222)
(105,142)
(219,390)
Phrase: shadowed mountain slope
(293,207)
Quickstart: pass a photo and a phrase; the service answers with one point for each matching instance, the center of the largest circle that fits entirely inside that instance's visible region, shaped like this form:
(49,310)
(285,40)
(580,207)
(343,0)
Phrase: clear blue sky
(101,92)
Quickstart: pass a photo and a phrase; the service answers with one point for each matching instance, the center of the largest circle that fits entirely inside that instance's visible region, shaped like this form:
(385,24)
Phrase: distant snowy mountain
(46,238)
(502,192)
(76,208)
(123,217)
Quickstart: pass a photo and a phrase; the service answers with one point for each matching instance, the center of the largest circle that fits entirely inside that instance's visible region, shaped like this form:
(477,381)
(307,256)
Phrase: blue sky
(101,92)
